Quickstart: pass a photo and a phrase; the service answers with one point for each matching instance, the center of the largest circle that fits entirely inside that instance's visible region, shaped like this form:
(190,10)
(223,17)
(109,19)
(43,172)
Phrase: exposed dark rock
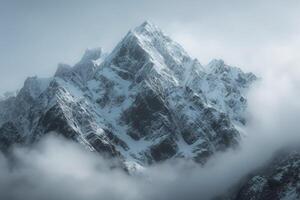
(54,120)
(280,179)
(145,102)
(9,136)
(165,149)
(148,111)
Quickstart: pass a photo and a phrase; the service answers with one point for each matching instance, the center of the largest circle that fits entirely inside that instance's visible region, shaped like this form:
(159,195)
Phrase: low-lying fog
(59,169)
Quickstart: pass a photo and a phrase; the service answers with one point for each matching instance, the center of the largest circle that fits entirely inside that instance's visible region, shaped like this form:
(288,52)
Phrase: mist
(261,36)
(56,168)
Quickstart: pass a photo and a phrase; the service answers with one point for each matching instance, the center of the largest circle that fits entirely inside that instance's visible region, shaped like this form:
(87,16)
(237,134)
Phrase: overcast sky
(35,35)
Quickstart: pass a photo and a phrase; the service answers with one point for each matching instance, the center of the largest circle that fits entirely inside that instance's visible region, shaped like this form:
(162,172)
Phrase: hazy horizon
(37,35)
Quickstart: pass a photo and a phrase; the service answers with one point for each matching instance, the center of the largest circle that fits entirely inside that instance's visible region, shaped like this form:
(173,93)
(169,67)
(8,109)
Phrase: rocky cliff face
(279,180)
(145,102)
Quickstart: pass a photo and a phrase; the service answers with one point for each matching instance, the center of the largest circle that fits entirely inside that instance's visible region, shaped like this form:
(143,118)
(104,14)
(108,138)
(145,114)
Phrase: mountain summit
(145,102)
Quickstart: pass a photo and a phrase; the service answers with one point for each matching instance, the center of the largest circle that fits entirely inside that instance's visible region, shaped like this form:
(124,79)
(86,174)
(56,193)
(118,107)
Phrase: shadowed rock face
(9,135)
(280,179)
(147,101)
(147,111)
(164,150)
(55,121)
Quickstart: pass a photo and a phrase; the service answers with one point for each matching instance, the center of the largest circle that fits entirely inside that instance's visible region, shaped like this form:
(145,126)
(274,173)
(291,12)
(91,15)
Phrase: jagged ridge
(145,102)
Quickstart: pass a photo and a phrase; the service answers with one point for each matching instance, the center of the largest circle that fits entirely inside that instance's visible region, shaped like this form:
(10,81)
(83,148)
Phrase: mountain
(145,102)
(279,179)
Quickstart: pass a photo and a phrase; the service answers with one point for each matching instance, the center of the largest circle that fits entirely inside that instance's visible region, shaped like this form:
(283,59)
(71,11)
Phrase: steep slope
(145,102)
(280,179)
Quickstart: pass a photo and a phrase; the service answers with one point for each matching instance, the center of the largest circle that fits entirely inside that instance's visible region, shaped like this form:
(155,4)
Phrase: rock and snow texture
(145,102)
(279,180)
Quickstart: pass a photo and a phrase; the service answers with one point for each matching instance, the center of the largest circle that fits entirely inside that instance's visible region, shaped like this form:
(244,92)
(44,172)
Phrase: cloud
(59,169)
(56,168)
(261,36)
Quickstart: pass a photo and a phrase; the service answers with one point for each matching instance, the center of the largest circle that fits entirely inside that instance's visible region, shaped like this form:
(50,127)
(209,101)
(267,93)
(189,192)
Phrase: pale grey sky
(35,35)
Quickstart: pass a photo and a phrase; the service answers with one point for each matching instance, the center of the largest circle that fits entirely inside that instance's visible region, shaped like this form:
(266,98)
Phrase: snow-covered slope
(280,179)
(145,102)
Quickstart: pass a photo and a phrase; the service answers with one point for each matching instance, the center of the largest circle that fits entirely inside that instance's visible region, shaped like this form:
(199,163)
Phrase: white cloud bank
(262,37)
(59,169)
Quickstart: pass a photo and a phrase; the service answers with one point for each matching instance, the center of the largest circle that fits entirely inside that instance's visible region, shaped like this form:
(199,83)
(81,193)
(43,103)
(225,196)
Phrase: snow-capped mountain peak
(147,28)
(215,63)
(91,54)
(150,52)
(145,102)
(85,69)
